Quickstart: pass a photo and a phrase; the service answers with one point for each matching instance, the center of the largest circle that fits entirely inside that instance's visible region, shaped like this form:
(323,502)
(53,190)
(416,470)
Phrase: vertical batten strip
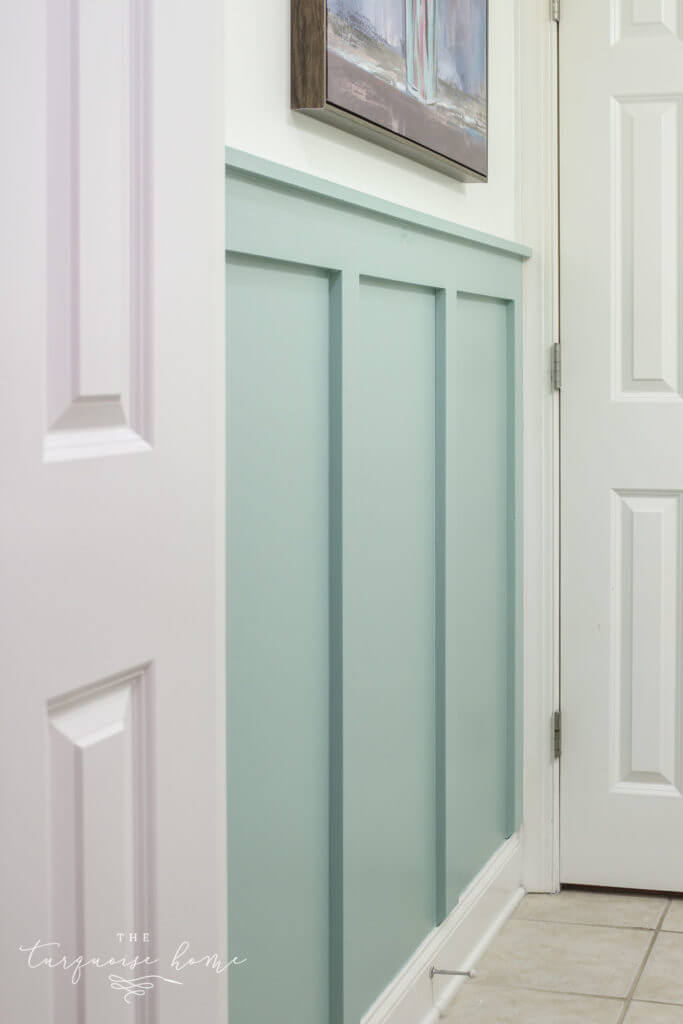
(514,576)
(447,852)
(517,456)
(441,365)
(343,307)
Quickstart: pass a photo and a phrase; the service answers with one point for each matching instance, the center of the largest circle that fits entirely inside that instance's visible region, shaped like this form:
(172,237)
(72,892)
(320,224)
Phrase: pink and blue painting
(417,68)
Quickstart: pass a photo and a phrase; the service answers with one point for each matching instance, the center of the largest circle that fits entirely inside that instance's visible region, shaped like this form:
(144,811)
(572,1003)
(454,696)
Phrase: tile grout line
(557,992)
(648,951)
(656,1002)
(497,985)
(589,924)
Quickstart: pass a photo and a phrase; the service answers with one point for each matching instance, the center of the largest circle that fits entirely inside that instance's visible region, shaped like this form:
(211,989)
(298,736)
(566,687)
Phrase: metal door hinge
(555,10)
(556,367)
(557,733)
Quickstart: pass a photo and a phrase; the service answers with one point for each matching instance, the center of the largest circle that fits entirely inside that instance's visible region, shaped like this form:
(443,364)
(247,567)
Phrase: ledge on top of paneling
(256,167)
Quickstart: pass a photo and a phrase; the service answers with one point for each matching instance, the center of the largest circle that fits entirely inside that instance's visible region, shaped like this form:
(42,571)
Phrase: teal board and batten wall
(373,572)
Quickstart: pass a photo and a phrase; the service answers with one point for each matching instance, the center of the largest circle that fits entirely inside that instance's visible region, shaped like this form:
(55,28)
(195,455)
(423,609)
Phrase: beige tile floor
(581,958)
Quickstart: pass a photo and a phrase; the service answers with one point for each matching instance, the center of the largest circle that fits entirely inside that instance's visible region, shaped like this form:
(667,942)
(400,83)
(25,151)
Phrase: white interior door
(621,126)
(111,293)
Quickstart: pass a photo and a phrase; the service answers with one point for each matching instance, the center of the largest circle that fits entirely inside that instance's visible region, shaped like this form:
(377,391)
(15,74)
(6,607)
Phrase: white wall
(259,120)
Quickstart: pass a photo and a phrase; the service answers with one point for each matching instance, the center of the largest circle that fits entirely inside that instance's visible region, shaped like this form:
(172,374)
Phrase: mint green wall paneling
(374,541)
(480,591)
(389,631)
(277,640)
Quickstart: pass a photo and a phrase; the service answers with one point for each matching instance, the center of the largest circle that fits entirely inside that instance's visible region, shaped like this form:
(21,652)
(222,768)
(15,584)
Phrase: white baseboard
(455,945)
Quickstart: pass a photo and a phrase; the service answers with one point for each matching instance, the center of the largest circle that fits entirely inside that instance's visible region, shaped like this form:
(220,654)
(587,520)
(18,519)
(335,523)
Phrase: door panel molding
(99,228)
(646,668)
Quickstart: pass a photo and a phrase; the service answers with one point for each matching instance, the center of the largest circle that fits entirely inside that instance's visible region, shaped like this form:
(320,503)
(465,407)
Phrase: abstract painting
(412,70)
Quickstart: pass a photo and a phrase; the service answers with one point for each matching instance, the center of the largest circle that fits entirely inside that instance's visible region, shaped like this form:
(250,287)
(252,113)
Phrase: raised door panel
(646,670)
(101,812)
(647,247)
(640,19)
(99,68)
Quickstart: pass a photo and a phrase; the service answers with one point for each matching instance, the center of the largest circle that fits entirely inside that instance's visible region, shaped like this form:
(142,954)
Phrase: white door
(621,128)
(111,729)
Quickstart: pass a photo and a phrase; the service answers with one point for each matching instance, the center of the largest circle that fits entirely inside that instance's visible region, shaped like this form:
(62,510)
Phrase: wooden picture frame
(421,121)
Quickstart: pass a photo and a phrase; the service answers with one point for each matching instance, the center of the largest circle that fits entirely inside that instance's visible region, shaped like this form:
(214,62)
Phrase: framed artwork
(409,74)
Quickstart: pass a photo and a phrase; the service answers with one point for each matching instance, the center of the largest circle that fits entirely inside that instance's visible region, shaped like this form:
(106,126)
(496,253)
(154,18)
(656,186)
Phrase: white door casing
(536,128)
(621,131)
(111,439)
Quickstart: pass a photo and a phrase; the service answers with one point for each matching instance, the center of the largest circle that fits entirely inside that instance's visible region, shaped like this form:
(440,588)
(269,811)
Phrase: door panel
(622,461)
(111,298)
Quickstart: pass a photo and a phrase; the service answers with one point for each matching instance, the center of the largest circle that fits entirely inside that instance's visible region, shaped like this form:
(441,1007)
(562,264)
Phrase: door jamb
(537,191)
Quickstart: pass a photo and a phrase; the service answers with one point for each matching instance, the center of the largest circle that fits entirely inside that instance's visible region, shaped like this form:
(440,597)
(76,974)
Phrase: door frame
(537,176)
